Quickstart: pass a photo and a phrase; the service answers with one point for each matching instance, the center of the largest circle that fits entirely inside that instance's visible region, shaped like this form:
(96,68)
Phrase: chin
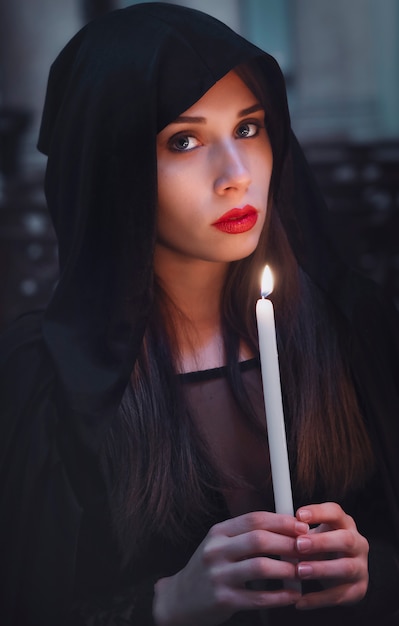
(242,252)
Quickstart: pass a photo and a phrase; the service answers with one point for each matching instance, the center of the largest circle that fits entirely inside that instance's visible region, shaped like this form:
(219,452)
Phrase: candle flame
(267,282)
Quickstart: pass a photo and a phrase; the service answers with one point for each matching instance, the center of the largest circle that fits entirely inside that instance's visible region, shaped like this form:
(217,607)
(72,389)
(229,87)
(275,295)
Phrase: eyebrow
(188,119)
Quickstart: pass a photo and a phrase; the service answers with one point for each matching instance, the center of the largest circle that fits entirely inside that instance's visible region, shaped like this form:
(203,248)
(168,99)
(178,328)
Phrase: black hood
(119,81)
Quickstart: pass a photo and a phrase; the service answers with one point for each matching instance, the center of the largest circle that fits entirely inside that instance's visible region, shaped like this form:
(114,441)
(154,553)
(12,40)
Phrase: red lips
(237,221)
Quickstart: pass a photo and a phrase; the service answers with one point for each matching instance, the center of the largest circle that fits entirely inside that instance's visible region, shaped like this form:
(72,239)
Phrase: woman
(136,481)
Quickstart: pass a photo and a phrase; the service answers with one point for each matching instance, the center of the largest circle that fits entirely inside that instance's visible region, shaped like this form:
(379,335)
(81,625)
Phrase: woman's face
(214,169)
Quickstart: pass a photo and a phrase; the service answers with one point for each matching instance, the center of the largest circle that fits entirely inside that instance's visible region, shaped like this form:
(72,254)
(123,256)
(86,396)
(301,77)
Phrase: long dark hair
(163,478)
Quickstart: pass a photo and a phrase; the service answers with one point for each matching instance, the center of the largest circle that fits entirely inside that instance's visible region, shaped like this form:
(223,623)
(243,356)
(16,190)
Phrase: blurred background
(341,63)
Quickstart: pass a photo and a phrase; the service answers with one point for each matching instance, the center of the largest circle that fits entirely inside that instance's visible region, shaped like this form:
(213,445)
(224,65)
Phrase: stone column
(32,32)
(336,78)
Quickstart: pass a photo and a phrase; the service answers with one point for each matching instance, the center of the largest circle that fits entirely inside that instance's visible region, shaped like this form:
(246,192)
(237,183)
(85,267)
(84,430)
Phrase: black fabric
(239,450)
(63,372)
(210,400)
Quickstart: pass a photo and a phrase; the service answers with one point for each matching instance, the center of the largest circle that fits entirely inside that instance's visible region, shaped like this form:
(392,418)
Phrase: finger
(261,520)
(219,549)
(336,596)
(247,599)
(260,542)
(347,569)
(258,568)
(328,513)
(347,542)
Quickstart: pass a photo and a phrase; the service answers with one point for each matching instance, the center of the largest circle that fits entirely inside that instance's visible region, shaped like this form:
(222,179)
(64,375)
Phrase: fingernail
(304,515)
(301,528)
(303,544)
(304,570)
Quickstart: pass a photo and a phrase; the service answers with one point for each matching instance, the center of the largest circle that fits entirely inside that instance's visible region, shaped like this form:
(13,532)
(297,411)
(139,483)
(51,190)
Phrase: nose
(232,171)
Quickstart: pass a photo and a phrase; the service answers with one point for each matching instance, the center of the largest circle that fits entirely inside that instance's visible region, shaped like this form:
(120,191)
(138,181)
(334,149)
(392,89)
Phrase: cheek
(266,157)
(174,187)
(265,153)
(264,170)
(173,206)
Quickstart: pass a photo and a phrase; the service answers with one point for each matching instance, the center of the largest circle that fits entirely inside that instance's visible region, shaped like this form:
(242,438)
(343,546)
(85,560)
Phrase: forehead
(230,89)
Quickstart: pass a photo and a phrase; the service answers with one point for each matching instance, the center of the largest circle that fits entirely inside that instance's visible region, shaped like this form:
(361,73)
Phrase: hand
(212,586)
(336,554)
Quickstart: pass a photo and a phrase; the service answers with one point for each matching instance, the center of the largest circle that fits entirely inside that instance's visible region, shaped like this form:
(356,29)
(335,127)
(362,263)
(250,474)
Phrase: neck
(194,286)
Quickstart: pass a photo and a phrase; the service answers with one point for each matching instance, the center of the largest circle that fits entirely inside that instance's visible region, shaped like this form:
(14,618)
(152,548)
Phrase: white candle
(273,402)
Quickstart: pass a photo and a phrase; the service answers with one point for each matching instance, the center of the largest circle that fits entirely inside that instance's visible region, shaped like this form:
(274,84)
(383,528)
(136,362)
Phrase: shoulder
(40,509)
(25,366)
(22,333)
(372,317)
(23,339)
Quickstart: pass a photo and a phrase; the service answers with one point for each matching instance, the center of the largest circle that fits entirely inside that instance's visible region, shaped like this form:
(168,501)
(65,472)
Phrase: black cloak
(64,370)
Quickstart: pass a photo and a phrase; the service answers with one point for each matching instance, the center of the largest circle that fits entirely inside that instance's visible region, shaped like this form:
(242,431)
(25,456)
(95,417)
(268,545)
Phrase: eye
(182,143)
(248,129)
